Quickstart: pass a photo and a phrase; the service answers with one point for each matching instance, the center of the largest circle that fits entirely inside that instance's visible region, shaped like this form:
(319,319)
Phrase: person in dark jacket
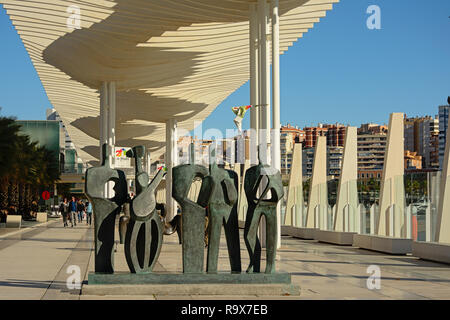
(80,210)
(64,209)
(34,209)
(73,210)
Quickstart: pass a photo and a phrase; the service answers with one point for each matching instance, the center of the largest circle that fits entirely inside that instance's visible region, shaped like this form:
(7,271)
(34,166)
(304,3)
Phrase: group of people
(75,210)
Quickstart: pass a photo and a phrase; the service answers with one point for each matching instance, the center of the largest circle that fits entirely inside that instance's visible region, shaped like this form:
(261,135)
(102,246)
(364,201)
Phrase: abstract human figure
(105,210)
(192,215)
(261,206)
(145,228)
(222,210)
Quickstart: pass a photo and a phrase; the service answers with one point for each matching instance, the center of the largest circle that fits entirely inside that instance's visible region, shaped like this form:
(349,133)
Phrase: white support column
(103,116)
(111,123)
(263,10)
(264,96)
(148,163)
(348,190)
(428,224)
(112,132)
(372,219)
(392,190)
(443,218)
(171,161)
(276,122)
(254,83)
(409,221)
(108,126)
(295,188)
(318,189)
(362,212)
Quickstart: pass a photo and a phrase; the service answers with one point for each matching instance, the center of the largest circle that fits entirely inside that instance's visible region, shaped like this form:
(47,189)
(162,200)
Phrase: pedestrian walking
(88,213)
(73,211)
(80,210)
(34,210)
(64,209)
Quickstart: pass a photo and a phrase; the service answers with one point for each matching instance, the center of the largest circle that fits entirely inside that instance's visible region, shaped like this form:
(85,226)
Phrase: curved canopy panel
(169,58)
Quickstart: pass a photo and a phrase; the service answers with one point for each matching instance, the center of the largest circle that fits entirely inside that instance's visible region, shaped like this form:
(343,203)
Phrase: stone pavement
(34,260)
(34,265)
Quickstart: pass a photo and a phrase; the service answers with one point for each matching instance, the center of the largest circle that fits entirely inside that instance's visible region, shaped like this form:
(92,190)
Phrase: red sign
(45,195)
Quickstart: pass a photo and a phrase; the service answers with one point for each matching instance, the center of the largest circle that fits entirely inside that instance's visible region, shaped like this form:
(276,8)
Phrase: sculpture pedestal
(438,252)
(383,244)
(335,237)
(190,284)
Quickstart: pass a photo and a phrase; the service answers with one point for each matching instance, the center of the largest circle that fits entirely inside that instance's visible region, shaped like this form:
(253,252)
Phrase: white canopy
(169,58)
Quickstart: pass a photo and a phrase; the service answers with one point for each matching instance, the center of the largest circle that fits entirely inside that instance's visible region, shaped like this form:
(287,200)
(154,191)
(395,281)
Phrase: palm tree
(8,139)
(24,168)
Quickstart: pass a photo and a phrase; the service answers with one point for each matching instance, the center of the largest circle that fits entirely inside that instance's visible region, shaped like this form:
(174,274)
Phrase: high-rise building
(289,136)
(334,163)
(443,127)
(434,153)
(335,156)
(311,134)
(335,134)
(71,162)
(419,135)
(372,140)
(46,134)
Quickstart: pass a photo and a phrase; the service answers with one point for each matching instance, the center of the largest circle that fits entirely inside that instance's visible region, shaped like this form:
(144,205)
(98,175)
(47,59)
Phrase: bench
(13,221)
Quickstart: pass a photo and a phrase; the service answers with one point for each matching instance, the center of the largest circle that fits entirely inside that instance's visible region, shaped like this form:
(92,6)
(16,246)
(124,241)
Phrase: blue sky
(340,71)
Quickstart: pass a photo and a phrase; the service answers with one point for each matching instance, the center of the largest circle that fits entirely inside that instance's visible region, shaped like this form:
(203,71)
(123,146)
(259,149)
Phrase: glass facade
(45,133)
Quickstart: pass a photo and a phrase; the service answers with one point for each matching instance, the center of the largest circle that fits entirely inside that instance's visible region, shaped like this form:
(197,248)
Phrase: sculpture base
(190,284)
(397,246)
(189,278)
(335,237)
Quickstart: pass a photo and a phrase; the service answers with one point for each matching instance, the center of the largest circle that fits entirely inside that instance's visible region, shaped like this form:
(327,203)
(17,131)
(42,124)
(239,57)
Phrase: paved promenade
(34,264)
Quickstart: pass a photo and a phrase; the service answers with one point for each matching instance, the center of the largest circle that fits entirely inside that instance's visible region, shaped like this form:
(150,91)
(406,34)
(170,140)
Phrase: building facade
(47,134)
(335,134)
(71,163)
(289,136)
(335,157)
(420,135)
(443,127)
(372,139)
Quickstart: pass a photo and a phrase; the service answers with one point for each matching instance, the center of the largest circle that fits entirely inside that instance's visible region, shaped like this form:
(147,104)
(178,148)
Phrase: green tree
(25,167)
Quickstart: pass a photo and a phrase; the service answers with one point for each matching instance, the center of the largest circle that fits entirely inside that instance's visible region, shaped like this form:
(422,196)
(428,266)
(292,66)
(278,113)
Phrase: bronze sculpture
(193,215)
(258,206)
(222,210)
(105,210)
(144,234)
(142,228)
